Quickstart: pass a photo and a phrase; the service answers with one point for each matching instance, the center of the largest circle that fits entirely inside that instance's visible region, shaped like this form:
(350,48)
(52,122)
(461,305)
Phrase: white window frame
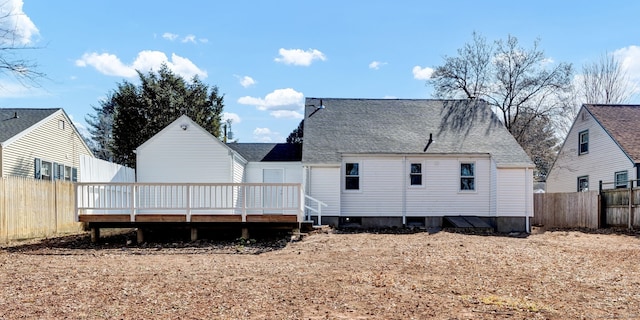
(411,174)
(461,177)
(46,170)
(346,175)
(61,124)
(625,182)
(581,134)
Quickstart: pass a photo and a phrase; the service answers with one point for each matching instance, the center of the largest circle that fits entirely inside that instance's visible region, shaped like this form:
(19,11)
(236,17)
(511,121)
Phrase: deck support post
(95,234)
(245,233)
(140,235)
(194,234)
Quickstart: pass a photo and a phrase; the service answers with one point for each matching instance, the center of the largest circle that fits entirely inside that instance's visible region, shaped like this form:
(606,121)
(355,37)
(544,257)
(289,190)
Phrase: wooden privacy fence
(36,208)
(618,210)
(566,210)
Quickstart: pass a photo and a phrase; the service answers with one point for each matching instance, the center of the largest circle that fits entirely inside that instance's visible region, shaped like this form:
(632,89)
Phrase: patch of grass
(513,303)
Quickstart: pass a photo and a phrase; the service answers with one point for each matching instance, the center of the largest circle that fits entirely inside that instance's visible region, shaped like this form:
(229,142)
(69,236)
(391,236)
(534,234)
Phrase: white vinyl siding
(441,195)
(324,185)
(47,142)
(381,187)
(600,163)
(292,171)
(238,171)
(195,156)
(514,192)
(385,190)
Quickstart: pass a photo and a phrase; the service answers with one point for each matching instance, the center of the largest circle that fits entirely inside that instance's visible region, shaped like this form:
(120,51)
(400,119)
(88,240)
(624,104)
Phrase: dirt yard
(327,275)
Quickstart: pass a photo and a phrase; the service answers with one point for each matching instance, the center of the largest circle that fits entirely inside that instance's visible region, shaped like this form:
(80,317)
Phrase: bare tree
(605,82)
(522,85)
(14,41)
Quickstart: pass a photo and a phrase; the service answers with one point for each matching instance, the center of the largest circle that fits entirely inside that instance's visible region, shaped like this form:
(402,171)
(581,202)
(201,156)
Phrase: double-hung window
(583,142)
(352,176)
(621,179)
(467,176)
(415,174)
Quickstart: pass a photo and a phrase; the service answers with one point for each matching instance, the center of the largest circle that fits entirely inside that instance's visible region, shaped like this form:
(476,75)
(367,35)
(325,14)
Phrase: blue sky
(267,56)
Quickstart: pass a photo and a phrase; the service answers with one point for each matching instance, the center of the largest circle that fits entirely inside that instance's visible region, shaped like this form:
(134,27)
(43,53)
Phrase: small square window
(583,142)
(621,179)
(467,177)
(415,176)
(61,124)
(583,183)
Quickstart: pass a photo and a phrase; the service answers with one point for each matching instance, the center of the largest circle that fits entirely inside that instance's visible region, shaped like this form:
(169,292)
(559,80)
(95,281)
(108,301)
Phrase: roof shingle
(620,122)
(15,120)
(403,126)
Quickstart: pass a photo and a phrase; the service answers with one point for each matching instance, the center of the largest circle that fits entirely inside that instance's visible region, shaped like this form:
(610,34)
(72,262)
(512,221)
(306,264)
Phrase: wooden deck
(190,205)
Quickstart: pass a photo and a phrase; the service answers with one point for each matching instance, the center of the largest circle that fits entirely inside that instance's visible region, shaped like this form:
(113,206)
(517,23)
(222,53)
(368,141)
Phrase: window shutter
(74,174)
(37,164)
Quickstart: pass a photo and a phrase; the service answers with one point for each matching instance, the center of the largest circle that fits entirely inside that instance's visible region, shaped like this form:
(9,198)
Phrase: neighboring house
(602,145)
(385,162)
(40,143)
(185,152)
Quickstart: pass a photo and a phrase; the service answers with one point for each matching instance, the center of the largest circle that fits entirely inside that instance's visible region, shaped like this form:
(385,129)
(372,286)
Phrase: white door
(272,196)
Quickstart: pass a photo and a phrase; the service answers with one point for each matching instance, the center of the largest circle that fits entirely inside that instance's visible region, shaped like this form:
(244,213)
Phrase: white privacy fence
(190,199)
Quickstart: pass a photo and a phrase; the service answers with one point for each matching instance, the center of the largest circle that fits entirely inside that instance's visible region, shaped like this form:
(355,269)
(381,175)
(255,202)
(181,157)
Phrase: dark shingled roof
(10,125)
(620,122)
(257,152)
(403,126)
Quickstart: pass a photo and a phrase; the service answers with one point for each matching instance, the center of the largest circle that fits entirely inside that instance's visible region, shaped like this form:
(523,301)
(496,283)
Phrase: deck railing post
(132,201)
(189,203)
(244,203)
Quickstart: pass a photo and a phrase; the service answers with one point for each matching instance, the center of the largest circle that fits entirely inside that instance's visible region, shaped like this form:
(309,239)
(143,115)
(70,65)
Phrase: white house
(185,152)
(385,162)
(602,146)
(373,162)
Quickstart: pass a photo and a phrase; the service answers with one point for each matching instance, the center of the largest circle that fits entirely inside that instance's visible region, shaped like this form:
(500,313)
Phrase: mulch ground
(328,274)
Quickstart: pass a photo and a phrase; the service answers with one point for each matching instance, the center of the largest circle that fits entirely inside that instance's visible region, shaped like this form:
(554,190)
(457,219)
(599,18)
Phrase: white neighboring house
(385,162)
(602,145)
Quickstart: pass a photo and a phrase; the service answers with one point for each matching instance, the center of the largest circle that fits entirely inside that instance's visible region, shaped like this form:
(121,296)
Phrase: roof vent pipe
(15,115)
(428,142)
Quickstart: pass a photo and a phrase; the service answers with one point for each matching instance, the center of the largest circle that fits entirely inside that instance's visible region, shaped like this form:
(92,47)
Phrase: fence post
(630,222)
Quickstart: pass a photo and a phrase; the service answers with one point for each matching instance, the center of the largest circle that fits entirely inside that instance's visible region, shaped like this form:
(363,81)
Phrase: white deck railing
(190,199)
(314,208)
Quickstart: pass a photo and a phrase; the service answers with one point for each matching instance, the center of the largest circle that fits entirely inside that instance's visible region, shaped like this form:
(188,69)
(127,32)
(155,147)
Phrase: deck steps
(467,223)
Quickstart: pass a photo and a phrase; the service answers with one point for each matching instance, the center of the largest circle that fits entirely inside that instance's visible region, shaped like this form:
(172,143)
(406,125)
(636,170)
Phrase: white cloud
(110,64)
(375,65)
(235,118)
(420,73)
(246,81)
(266,135)
(15,20)
(280,99)
(286,114)
(189,38)
(299,57)
(629,59)
(15,90)
(170,36)
(389,97)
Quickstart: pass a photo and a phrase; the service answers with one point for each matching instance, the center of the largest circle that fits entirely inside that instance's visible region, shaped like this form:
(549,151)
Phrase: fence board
(566,210)
(36,208)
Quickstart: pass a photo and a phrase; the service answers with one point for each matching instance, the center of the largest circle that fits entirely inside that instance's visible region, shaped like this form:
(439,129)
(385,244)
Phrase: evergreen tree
(140,111)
